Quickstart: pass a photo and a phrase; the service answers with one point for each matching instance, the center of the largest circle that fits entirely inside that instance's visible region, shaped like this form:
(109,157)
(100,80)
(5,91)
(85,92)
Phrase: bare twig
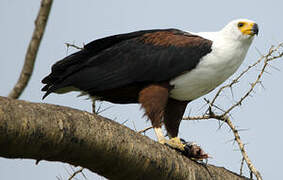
(267,58)
(75,173)
(40,24)
(74,46)
(100,110)
(144,130)
(134,125)
(242,148)
(273,53)
(204,117)
(59,177)
(242,165)
(227,120)
(94,109)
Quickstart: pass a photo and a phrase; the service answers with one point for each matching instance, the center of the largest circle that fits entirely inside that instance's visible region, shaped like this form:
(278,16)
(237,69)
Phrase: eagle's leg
(172,117)
(159,134)
(154,100)
(172,142)
(158,106)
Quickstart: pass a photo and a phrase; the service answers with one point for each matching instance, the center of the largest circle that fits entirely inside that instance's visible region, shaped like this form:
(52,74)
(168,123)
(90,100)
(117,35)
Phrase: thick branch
(55,133)
(40,24)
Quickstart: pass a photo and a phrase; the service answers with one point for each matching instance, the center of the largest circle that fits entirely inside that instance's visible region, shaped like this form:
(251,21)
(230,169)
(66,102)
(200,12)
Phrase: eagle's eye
(240,24)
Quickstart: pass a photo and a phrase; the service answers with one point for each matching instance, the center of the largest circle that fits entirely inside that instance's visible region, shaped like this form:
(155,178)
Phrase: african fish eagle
(162,69)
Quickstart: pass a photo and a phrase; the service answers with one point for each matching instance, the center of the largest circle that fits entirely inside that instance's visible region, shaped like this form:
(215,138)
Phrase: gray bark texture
(55,133)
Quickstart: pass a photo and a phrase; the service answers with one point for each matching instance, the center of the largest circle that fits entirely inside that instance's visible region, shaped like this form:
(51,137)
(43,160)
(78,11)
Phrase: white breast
(213,69)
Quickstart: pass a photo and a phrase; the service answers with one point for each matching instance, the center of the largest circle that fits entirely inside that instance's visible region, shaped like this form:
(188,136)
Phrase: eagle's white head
(229,48)
(240,29)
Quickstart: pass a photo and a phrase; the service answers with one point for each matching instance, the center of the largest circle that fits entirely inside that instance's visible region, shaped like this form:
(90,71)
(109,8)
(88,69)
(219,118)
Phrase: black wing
(116,61)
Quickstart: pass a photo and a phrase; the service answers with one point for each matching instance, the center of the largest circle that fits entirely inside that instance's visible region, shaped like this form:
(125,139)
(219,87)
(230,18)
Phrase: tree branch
(275,52)
(55,133)
(40,24)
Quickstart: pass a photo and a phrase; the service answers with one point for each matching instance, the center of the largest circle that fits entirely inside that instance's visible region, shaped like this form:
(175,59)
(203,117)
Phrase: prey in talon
(161,69)
(193,151)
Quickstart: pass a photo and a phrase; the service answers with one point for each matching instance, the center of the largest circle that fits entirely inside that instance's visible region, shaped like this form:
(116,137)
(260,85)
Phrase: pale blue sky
(83,21)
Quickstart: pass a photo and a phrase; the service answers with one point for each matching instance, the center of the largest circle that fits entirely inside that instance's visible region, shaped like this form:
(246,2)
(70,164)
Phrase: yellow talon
(176,143)
(173,142)
(163,141)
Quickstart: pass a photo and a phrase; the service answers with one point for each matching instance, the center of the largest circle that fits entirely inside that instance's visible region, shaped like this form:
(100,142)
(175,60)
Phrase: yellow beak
(250,29)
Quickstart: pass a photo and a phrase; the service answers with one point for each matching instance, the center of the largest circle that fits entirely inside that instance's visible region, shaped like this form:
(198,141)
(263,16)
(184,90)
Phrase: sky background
(80,22)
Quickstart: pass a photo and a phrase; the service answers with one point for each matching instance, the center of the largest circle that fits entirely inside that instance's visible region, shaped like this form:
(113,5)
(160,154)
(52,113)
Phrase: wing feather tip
(45,95)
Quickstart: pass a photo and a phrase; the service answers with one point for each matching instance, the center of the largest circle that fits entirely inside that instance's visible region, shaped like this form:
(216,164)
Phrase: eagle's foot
(188,149)
(176,143)
(193,151)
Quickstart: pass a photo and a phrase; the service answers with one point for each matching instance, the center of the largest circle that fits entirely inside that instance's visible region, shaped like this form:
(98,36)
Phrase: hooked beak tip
(255,29)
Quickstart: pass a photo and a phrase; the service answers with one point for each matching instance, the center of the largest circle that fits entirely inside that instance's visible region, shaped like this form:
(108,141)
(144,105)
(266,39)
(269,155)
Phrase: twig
(227,120)
(94,109)
(59,177)
(242,148)
(144,130)
(99,110)
(204,117)
(272,54)
(134,125)
(73,45)
(242,165)
(267,58)
(40,24)
(93,106)
(75,173)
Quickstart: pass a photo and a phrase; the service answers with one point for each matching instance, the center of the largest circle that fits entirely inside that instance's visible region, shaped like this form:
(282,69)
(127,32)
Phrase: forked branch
(273,53)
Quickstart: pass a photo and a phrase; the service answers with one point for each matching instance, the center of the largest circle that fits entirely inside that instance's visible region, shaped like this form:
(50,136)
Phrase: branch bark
(55,133)
(40,24)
